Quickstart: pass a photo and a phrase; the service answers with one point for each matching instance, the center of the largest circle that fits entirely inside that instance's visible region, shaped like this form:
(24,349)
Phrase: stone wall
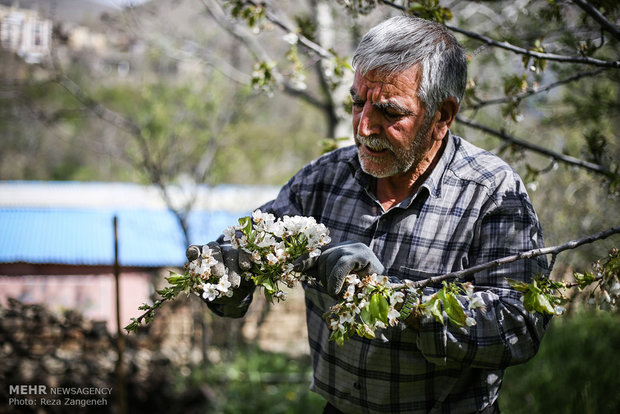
(40,348)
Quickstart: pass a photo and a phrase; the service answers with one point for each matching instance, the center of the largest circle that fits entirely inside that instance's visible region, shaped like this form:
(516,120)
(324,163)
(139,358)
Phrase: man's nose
(368,121)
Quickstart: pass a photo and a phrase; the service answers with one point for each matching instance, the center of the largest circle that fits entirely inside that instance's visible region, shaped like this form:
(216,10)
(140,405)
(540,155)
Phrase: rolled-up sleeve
(505,333)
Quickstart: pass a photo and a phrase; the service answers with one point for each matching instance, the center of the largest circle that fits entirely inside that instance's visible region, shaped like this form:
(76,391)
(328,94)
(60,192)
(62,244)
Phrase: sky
(119,3)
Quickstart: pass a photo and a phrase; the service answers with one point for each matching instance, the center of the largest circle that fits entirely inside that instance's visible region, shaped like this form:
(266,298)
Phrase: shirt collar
(434,180)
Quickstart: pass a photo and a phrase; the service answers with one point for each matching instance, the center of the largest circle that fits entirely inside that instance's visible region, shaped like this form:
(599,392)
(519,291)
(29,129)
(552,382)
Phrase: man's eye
(392,115)
(358,104)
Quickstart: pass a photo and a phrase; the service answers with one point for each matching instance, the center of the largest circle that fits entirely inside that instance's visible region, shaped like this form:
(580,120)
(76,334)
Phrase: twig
(315,47)
(532,91)
(567,159)
(126,124)
(260,54)
(598,17)
(539,55)
(522,51)
(554,250)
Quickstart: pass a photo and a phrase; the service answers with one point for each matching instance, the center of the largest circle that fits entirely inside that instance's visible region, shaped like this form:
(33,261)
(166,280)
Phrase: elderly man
(410,200)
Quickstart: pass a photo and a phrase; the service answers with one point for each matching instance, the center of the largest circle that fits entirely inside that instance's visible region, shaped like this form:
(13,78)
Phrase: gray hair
(401,42)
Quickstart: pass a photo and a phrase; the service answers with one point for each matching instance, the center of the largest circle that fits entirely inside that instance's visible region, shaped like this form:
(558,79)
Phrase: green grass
(577,369)
(256,381)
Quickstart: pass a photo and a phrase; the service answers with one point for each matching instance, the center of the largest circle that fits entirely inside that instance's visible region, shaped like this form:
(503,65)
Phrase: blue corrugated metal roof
(82,236)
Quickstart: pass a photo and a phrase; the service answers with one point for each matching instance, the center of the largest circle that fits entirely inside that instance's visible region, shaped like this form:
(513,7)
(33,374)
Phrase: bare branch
(566,159)
(123,123)
(539,55)
(553,250)
(258,52)
(102,112)
(598,17)
(221,18)
(318,49)
(522,51)
(534,91)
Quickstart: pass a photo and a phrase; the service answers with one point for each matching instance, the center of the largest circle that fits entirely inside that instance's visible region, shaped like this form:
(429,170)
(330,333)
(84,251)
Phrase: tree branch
(539,55)
(509,259)
(519,50)
(532,91)
(567,159)
(254,47)
(316,48)
(134,130)
(598,17)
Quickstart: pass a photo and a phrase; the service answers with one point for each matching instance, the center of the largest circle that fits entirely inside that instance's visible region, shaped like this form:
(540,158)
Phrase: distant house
(57,240)
(26,33)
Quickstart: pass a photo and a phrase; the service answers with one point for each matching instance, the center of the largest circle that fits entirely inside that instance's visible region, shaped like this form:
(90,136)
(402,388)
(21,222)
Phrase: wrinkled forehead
(375,84)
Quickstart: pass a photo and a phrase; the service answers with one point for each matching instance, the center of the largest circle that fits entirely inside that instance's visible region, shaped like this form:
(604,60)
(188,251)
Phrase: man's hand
(229,261)
(339,260)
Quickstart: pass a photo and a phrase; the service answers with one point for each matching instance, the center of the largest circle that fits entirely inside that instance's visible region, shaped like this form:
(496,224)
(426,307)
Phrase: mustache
(374,142)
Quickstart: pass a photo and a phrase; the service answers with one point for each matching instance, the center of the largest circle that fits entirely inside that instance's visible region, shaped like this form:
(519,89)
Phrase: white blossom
(315,253)
(290,38)
(352,279)
(468,288)
(271,259)
(204,271)
(267,241)
(263,221)
(476,302)
(397,297)
(223,284)
(230,233)
(349,293)
(298,81)
(209,291)
(256,257)
(393,315)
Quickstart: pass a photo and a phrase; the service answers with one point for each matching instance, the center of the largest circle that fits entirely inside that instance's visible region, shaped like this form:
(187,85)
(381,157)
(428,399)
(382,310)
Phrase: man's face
(389,122)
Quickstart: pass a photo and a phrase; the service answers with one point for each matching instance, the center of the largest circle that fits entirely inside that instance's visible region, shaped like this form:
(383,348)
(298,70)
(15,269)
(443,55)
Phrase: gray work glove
(339,260)
(235,260)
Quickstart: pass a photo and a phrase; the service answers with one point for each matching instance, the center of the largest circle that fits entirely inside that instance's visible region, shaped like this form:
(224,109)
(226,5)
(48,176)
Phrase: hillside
(75,11)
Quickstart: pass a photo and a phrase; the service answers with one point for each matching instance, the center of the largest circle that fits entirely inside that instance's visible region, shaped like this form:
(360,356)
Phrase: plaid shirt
(473,208)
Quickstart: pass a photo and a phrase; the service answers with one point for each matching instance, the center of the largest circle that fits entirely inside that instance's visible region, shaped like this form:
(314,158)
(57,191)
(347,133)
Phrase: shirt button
(357,385)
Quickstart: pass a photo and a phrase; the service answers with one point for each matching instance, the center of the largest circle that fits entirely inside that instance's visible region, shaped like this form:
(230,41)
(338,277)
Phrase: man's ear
(444,116)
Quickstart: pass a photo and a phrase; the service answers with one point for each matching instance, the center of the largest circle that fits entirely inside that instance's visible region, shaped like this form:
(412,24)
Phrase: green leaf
(537,302)
(518,285)
(175,279)
(269,285)
(433,306)
(544,304)
(367,316)
(379,307)
(368,332)
(454,310)
(338,337)
(246,223)
(613,264)
(584,279)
